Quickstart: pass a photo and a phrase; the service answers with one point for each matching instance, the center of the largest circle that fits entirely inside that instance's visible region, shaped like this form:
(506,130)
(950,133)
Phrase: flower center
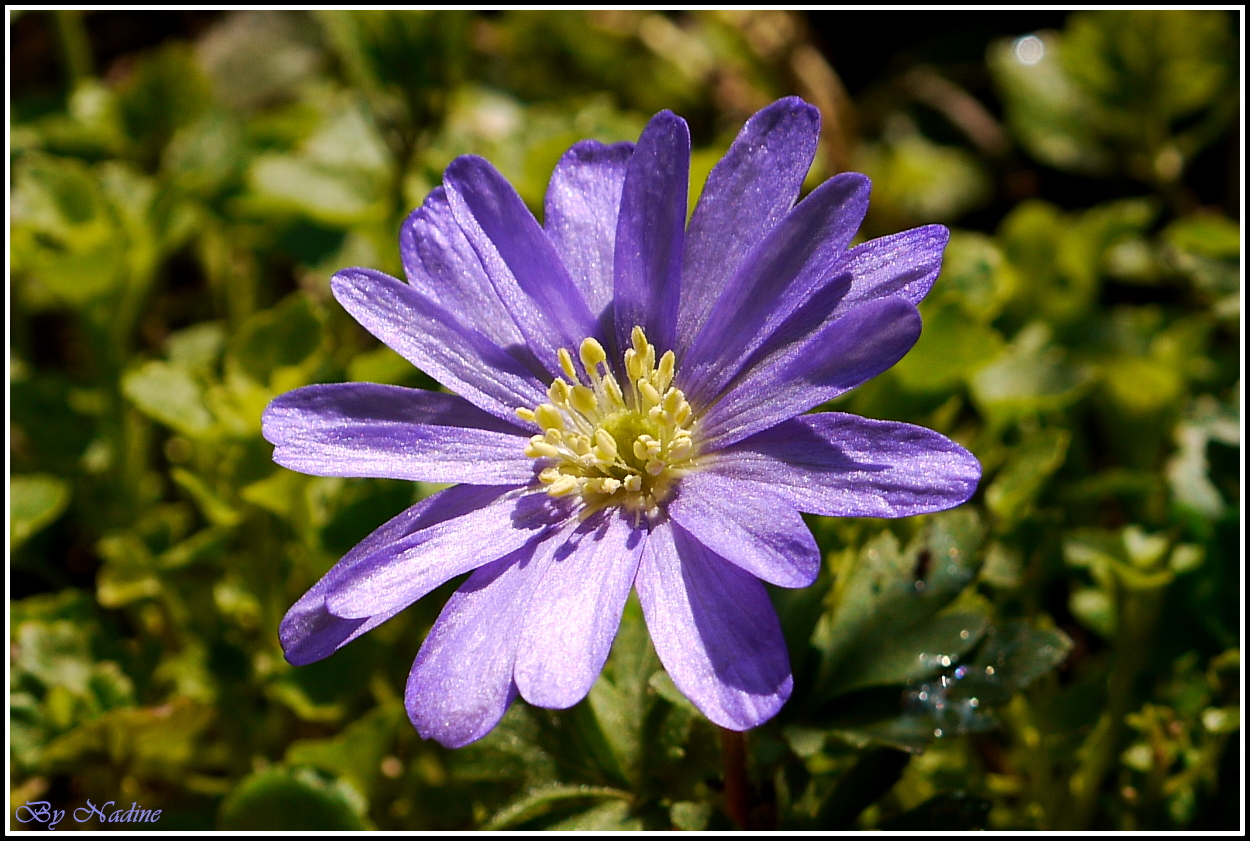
(609,446)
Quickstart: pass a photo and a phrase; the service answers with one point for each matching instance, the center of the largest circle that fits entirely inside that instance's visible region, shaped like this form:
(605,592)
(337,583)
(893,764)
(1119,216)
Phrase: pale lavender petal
(573,616)
(407,569)
(495,379)
(773,281)
(580,213)
(747,193)
(846,466)
(519,259)
(441,264)
(843,354)
(749,525)
(714,630)
(461,682)
(388,432)
(309,632)
(651,232)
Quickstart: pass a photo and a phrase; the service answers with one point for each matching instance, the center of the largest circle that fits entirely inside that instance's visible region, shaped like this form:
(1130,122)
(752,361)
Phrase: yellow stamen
(608,444)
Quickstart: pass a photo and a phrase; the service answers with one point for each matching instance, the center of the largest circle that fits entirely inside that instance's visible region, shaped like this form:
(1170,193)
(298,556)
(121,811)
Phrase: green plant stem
(1139,613)
(75,46)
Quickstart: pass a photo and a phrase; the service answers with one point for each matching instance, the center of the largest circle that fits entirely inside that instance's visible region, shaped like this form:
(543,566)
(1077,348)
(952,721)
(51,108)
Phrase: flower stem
(737,791)
(1139,613)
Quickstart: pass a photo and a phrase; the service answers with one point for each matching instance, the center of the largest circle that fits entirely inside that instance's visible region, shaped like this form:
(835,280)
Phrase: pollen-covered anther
(608,444)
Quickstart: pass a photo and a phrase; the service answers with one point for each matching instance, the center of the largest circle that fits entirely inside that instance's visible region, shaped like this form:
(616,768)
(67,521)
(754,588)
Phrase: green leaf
(207,156)
(276,339)
(1059,259)
(198,347)
(164,92)
(171,394)
(1021,480)
(953,811)
(1207,236)
(917,652)
(609,816)
(1030,377)
(129,573)
(255,58)
(282,799)
(1148,69)
(917,181)
(1012,657)
(952,345)
(1143,89)
(64,232)
(340,176)
(888,594)
(1052,117)
(689,816)
(538,804)
(151,742)
(35,502)
(975,275)
(354,755)
(1189,470)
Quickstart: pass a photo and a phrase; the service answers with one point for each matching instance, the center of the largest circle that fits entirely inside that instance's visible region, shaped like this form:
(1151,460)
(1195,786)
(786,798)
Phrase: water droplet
(961,672)
(964,634)
(923,696)
(989,670)
(937,731)
(946,661)
(974,702)
(919,586)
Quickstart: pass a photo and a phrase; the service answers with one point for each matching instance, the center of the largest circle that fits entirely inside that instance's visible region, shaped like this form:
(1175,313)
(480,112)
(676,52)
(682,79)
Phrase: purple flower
(631,405)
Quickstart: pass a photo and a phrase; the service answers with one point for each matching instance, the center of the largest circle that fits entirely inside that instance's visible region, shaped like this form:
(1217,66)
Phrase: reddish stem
(737,791)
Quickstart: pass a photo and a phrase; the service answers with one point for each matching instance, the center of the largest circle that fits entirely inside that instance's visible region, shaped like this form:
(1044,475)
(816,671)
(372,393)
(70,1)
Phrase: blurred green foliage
(1061,653)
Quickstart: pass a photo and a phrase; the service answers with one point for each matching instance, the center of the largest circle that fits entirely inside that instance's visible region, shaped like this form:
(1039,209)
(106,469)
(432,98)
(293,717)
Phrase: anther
(592,354)
(583,400)
(548,417)
(566,364)
(606,444)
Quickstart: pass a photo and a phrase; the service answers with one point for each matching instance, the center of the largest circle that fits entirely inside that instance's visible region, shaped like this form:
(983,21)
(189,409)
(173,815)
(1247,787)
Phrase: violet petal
(580,215)
(440,263)
(495,379)
(574,614)
(407,569)
(714,630)
(519,259)
(651,232)
(384,431)
(843,354)
(846,466)
(748,525)
(461,682)
(773,281)
(747,193)
(310,633)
